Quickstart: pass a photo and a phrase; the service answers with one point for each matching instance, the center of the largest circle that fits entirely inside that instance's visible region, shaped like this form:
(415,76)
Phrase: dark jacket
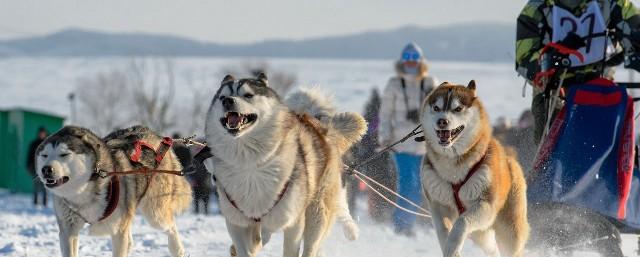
(31,156)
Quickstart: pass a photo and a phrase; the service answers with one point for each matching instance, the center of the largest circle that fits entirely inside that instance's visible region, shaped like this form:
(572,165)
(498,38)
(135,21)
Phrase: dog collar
(113,196)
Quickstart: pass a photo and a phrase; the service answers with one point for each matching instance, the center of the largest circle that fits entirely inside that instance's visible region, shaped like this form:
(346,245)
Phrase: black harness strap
(404,92)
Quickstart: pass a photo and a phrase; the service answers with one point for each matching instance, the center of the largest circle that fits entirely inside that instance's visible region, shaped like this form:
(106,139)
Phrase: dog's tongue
(234,120)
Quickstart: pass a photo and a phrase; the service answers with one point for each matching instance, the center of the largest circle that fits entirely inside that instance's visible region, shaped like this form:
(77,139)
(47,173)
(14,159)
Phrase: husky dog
(72,164)
(278,167)
(473,187)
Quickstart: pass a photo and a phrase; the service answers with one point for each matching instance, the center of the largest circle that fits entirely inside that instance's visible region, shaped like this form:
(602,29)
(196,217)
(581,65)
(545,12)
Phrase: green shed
(18,128)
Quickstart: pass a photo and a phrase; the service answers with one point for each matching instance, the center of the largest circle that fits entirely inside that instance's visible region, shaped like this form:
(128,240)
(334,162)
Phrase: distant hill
(468,42)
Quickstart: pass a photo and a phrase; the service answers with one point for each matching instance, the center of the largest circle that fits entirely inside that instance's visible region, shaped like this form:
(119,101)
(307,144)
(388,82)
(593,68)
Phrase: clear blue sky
(244,21)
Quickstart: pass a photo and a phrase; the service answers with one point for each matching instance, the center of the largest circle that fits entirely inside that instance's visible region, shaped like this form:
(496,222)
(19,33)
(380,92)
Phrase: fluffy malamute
(70,163)
(277,166)
(473,187)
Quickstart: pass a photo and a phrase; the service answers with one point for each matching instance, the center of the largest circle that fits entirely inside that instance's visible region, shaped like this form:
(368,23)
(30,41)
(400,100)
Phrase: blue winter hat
(411,52)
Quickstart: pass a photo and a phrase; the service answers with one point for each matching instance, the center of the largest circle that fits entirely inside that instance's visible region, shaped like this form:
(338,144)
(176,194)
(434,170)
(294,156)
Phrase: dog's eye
(44,155)
(221,97)
(436,108)
(64,154)
(458,109)
(248,96)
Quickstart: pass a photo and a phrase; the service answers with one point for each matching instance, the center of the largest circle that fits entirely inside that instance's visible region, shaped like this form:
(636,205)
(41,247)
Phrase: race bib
(590,26)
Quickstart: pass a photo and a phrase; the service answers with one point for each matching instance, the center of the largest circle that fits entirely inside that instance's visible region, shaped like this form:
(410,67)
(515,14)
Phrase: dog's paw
(232,251)
(350,230)
(451,251)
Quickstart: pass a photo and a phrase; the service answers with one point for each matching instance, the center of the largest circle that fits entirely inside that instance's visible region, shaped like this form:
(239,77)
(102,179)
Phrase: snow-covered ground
(28,231)
(44,84)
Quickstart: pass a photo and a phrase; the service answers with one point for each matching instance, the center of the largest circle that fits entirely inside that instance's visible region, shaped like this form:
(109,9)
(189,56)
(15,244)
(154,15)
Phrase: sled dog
(473,187)
(72,164)
(277,165)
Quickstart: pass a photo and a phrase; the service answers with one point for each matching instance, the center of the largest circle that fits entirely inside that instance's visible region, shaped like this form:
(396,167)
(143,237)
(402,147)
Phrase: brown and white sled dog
(473,187)
(70,162)
(277,166)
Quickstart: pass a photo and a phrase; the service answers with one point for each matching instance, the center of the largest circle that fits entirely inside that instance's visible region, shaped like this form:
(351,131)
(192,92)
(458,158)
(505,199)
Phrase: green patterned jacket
(534,32)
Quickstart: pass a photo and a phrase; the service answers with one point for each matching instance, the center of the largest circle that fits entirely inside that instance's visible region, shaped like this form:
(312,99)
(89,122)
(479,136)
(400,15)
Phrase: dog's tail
(343,129)
(311,101)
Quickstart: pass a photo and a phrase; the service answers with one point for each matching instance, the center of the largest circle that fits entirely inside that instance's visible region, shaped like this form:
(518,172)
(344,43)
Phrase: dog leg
(265,234)
(69,243)
(246,240)
(479,217)
(175,245)
(121,243)
(69,236)
(438,220)
(486,240)
(293,238)
(349,226)
(316,227)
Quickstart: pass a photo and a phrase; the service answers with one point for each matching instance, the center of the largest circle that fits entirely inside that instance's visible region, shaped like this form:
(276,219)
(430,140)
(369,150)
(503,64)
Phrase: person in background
(502,128)
(399,114)
(38,187)
(199,179)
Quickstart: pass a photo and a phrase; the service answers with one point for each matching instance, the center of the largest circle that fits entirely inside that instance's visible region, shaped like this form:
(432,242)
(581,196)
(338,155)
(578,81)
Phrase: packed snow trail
(29,231)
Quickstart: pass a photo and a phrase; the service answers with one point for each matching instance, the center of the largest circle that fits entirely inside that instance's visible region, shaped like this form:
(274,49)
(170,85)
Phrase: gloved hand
(572,41)
(632,61)
(555,57)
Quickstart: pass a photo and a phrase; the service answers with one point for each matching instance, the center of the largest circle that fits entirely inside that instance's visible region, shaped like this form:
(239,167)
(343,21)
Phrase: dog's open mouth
(235,122)
(51,183)
(447,136)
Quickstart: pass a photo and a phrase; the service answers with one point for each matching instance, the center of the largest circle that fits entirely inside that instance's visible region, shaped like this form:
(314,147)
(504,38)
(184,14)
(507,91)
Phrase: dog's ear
(227,79)
(472,85)
(263,77)
(444,83)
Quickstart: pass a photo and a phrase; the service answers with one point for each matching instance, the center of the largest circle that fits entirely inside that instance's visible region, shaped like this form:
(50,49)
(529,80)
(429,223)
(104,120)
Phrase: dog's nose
(227,102)
(442,123)
(47,171)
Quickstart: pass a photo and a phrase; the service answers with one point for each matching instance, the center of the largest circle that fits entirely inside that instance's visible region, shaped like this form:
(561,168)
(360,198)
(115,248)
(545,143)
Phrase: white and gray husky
(71,164)
(278,166)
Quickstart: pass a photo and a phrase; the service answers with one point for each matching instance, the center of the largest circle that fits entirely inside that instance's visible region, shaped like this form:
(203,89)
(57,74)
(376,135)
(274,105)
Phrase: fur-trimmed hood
(423,69)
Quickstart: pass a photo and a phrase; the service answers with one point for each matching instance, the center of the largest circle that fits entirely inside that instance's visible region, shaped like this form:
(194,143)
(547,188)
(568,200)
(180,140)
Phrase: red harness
(456,187)
(113,193)
(113,196)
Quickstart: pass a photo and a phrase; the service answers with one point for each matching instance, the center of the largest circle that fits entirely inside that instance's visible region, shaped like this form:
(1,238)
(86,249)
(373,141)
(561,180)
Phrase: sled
(587,159)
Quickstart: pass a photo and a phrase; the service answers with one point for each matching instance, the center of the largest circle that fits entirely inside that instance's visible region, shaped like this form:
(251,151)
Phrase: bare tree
(195,112)
(142,93)
(152,92)
(102,101)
